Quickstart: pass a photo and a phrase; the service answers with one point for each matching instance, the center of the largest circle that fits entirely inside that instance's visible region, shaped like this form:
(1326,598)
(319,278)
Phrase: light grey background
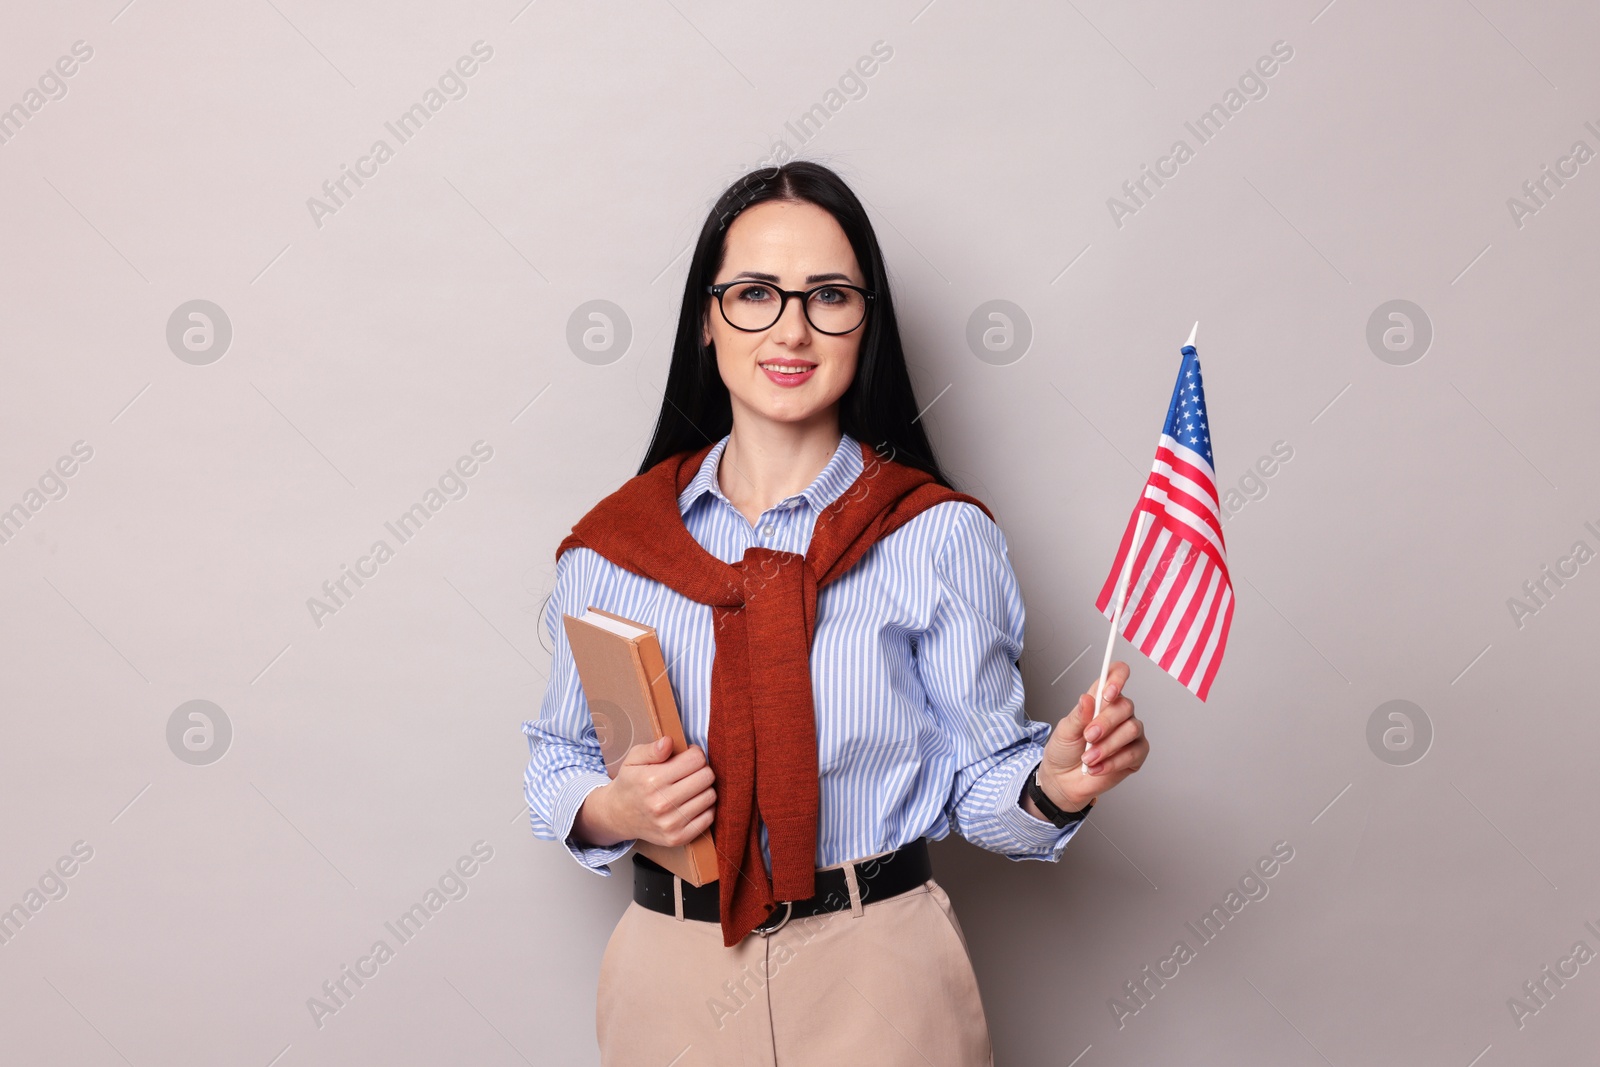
(370,752)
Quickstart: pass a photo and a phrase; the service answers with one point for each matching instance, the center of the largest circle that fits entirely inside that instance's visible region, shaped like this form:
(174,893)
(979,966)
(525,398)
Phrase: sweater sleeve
(564,761)
(968,663)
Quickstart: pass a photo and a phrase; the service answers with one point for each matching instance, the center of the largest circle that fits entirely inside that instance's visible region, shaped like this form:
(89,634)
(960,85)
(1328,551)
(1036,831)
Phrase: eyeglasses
(754,306)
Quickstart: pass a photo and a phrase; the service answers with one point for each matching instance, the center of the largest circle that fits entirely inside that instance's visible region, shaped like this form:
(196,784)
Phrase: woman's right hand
(666,801)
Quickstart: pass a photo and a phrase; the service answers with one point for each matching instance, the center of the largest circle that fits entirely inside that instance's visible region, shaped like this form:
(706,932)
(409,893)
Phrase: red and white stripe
(1180,598)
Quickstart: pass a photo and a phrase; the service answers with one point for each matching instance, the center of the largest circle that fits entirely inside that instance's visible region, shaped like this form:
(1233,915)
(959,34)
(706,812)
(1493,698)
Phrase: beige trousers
(884,983)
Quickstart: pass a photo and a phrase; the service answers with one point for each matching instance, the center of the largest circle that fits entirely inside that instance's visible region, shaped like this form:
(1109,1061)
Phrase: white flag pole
(1122,592)
(1116,617)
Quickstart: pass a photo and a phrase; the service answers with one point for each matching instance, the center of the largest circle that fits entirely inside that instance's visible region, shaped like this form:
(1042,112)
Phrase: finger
(689,760)
(669,818)
(1116,678)
(690,785)
(694,829)
(1125,762)
(1111,716)
(1067,737)
(1073,725)
(692,808)
(1125,734)
(1092,712)
(650,752)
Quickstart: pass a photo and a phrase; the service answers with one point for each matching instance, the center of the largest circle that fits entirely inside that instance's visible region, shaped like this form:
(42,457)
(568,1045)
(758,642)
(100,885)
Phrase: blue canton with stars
(1186,415)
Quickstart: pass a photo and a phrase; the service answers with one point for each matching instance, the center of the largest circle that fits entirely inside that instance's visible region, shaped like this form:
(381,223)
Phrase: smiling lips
(784,372)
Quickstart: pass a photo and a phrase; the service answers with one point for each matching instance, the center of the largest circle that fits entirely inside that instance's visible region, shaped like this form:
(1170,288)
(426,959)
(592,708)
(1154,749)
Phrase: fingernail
(1092,733)
(1088,754)
(1111,692)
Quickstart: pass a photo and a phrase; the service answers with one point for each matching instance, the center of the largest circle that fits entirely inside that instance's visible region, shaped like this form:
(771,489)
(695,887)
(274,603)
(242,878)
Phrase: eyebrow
(810,278)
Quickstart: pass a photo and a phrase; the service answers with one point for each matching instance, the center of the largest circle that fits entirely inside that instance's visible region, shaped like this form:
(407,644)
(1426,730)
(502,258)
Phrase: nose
(792,324)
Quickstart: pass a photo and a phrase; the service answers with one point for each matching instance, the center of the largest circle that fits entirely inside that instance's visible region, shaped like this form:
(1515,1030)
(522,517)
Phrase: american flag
(1180,598)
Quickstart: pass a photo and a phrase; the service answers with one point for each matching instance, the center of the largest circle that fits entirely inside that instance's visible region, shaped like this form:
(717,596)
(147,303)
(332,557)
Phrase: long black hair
(878,409)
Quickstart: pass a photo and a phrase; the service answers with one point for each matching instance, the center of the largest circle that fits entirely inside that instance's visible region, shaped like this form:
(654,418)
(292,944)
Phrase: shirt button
(768,530)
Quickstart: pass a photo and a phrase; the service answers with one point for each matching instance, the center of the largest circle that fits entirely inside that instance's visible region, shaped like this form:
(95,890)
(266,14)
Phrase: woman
(842,629)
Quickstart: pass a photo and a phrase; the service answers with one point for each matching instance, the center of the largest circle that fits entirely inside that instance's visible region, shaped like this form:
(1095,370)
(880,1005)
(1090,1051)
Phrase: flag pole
(1122,591)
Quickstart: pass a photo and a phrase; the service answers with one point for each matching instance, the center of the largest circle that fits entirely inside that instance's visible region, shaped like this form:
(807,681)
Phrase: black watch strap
(1057,818)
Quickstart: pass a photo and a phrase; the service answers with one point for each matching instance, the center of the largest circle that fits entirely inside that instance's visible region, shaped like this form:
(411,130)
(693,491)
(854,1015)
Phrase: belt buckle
(767,931)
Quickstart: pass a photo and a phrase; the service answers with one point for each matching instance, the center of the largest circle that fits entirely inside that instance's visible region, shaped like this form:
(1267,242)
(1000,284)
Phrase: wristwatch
(1057,818)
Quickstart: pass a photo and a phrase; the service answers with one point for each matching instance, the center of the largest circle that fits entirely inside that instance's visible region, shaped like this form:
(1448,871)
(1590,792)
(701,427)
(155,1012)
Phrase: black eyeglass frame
(783,303)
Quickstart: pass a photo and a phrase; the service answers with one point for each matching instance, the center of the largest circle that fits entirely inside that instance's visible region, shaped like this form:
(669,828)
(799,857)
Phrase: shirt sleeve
(967,659)
(564,761)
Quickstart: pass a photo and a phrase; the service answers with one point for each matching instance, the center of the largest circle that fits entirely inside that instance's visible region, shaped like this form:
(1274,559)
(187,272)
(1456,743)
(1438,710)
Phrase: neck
(764,462)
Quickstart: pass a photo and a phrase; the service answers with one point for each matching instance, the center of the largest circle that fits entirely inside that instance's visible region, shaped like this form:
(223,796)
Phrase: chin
(786,414)
(786,408)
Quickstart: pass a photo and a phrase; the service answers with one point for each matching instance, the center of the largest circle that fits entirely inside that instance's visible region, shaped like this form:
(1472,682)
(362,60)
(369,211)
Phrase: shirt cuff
(571,798)
(1041,839)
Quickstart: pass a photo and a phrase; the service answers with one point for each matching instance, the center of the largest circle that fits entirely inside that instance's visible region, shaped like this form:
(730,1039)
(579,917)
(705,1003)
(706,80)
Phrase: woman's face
(791,246)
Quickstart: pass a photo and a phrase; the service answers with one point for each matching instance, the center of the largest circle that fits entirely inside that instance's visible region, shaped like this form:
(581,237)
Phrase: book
(625,684)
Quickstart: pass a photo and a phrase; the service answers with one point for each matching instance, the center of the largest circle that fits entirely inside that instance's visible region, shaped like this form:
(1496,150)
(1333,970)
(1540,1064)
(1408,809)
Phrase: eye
(752,293)
(830,295)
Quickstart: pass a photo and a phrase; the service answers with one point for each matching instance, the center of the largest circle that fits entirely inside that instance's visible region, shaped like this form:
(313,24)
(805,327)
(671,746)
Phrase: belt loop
(855,889)
(677,898)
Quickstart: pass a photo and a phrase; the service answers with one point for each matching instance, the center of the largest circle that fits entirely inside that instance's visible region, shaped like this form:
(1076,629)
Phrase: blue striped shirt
(917,692)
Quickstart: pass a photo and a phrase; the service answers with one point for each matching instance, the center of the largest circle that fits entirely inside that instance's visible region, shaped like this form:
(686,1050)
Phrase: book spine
(663,707)
(701,853)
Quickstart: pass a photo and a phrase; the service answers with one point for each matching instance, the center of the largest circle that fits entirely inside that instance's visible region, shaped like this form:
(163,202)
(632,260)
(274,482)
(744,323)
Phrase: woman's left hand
(1111,743)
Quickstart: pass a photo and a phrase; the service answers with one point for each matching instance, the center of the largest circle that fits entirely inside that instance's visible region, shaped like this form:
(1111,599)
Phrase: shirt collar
(840,473)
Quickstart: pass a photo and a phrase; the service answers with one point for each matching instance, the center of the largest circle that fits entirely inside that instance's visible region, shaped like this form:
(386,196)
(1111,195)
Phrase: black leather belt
(877,879)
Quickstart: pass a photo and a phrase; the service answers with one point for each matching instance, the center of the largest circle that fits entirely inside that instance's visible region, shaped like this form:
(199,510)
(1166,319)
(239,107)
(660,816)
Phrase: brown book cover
(625,683)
